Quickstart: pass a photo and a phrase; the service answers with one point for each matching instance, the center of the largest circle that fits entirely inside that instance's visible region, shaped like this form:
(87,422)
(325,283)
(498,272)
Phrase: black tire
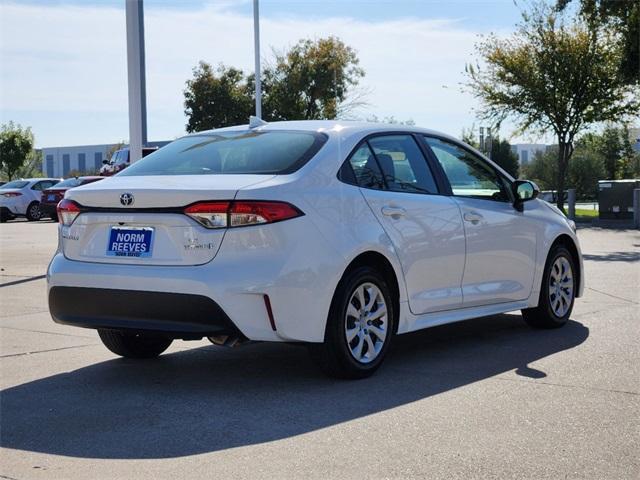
(133,345)
(3,217)
(33,212)
(334,355)
(54,217)
(544,316)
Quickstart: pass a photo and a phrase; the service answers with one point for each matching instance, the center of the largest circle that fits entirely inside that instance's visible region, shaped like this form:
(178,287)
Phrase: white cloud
(72,61)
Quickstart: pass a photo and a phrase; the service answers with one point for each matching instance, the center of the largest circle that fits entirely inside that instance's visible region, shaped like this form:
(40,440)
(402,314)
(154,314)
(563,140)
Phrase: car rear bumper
(6,213)
(177,314)
(48,208)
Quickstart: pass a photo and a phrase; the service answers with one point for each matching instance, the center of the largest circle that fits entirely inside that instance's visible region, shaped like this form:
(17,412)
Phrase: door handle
(394,212)
(473,217)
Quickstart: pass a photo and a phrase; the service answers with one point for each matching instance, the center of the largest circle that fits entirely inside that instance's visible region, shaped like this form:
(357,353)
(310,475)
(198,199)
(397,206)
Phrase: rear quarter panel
(339,227)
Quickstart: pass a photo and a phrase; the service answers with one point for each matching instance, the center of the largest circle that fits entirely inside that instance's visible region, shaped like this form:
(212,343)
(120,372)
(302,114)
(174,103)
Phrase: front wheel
(360,326)
(557,293)
(33,212)
(134,345)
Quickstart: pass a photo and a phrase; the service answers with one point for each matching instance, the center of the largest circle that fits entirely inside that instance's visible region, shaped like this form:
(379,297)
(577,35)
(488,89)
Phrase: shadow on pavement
(614,257)
(209,399)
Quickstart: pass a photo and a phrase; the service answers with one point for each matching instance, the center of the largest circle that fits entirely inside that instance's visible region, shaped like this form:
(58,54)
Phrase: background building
(59,161)
(527,151)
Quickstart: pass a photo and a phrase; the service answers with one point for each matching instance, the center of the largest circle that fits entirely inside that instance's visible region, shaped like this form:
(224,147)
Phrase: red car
(53,195)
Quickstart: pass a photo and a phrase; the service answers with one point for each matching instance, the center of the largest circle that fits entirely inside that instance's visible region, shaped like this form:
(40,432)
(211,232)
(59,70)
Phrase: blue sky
(64,62)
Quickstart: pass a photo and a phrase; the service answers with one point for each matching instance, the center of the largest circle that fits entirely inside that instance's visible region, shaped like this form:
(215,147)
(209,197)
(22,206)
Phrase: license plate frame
(130,242)
(51,197)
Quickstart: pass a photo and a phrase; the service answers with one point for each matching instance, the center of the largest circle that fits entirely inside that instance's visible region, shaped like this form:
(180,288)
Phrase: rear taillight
(11,194)
(241,213)
(209,214)
(67,210)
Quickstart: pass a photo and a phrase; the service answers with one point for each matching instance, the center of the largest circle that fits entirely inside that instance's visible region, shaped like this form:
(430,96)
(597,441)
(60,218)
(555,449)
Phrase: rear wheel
(134,345)
(33,212)
(359,328)
(557,293)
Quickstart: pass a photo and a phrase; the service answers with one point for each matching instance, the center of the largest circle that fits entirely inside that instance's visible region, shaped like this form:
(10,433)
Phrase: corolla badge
(126,199)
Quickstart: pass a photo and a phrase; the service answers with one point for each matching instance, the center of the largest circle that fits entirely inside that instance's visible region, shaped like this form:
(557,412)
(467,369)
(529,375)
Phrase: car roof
(35,179)
(331,128)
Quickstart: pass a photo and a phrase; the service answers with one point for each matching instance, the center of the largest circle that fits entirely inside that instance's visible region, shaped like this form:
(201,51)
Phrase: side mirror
(105,161)
(523,191)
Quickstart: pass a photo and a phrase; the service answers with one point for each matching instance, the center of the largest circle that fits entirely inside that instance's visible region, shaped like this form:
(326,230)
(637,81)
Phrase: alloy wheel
(366,323)
(34,211)
(561,287)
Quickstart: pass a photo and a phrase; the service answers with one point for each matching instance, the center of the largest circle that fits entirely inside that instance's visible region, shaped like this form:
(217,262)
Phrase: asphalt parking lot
(488,398)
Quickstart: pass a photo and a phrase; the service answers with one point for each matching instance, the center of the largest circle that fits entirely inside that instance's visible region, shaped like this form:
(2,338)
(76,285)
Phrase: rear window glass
(15,184)
(69,183)
(240,152)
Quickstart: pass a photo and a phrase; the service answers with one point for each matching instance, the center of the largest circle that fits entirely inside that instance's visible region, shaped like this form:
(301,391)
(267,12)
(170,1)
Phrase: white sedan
(336,234)
(21,198)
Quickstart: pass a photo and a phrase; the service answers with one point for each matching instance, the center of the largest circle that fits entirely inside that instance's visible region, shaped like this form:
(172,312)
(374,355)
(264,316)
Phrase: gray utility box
(615,198)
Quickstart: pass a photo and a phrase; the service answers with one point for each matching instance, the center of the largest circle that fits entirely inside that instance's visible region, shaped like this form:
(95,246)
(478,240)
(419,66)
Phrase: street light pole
(136,79)
(256,47)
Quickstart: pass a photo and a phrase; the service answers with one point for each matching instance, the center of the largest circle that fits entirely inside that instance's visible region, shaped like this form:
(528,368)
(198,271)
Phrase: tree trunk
(563,150)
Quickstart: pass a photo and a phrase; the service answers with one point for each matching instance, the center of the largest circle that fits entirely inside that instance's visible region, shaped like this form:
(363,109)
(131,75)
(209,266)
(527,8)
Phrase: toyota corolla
(335,234)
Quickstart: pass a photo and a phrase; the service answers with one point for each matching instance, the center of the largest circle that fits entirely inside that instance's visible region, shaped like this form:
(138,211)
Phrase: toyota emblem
(126,199)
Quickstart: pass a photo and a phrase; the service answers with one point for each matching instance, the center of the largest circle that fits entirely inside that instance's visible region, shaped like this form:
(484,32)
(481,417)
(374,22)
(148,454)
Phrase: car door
(424,226)
(500,240)
(35,192)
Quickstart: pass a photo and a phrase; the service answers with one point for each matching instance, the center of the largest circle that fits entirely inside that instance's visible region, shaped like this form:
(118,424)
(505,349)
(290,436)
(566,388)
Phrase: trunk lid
(150,211)
(53,195)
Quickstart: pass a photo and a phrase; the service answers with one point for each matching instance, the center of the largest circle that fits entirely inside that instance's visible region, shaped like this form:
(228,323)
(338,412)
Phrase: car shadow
(210,398)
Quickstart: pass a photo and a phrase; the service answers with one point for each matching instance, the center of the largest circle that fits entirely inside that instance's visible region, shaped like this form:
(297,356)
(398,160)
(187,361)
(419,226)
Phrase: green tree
(502,154)
(16,145)
(609,146)
(587,167)
(628,157)
(555,74)
(468,136)
(614,146)
(216,98)
(32,167)
(622,16)
(543,168)
(499,150)
(311,81)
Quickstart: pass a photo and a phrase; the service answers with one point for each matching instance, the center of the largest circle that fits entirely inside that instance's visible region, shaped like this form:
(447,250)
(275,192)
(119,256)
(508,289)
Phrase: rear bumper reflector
(267,304)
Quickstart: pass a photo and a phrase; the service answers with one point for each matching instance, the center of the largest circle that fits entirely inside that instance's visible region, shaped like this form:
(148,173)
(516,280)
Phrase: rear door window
(404,166)
(237,152)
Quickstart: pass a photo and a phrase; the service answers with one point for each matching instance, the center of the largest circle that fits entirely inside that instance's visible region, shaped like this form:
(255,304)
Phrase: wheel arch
(568,242)
(381,263)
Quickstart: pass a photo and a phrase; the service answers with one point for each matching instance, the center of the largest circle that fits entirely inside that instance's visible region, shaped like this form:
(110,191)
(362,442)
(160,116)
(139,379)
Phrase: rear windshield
(69,183)
(240,152)
(15,184)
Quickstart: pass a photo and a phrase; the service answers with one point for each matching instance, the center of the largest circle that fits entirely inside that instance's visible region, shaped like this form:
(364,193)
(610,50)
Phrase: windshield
(240,152)
(15,184)
(120,156)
